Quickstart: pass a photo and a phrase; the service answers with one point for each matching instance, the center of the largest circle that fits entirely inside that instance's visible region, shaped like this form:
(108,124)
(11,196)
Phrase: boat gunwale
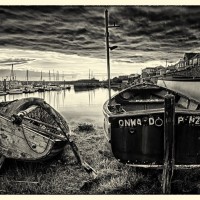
(30,129)
(109,114)
(154,166)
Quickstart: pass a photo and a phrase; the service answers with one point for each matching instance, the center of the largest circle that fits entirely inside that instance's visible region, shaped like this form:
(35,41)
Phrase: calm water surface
(75,106)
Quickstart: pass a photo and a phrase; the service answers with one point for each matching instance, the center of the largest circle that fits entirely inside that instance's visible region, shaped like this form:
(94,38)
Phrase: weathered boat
(31,130)
(134,127)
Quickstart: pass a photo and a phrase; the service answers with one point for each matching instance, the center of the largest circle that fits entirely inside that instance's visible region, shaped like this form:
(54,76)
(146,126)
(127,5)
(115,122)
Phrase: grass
(63,175)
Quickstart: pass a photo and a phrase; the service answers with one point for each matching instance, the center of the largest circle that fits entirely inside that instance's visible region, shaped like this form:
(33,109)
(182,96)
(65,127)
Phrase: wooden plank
(28,110)
(169,143)
(192,105)
(15,138)
(161,93)
(55,136)
(23,144)
(183,102)
(8,127)
(42,123)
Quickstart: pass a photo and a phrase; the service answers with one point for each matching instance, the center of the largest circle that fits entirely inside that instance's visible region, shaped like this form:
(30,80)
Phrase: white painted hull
(2,93)
(15,91)
(190,87)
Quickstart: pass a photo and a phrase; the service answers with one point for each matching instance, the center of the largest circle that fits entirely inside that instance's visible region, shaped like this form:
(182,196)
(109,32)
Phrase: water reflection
(80,106)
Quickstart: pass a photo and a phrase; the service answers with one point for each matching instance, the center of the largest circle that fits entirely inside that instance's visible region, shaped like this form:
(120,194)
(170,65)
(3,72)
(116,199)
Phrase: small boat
(134,126)
(48,88)
(186,76)
(55,87)
(28,89)
(185,85)
(41,89)
(2,93)
(31,130)
(66,87)
(15,91)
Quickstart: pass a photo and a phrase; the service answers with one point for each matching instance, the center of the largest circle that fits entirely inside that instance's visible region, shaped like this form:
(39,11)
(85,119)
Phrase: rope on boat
(58,119)
(74,147)
(61,123)
(32,148)
(164,83)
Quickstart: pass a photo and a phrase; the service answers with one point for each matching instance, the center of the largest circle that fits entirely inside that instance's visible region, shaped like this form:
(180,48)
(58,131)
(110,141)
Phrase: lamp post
(108,48)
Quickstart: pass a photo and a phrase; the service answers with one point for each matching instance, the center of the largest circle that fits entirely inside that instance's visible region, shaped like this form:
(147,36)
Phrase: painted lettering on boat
(192,120)
(140,122)
(130,122)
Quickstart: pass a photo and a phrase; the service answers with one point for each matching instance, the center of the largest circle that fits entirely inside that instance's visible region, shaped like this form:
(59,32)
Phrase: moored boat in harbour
(186,76)
(15,91)
(185,85)
(134,126)
(2,93)
(28,89)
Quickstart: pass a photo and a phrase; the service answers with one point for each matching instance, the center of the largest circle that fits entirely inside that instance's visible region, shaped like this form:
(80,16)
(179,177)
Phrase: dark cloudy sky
(71,39)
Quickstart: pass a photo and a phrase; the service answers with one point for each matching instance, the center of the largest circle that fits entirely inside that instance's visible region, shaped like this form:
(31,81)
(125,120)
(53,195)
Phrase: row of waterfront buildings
(189,60)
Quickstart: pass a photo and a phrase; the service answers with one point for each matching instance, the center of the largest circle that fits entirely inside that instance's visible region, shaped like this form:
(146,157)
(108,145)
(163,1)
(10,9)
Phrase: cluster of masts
(56,76)
(53,77)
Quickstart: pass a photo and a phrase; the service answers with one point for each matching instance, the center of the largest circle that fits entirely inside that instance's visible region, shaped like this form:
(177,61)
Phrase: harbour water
(75,106)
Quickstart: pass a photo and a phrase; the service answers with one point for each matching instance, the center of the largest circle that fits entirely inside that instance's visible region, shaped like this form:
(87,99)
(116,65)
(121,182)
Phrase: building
(160,70)
(123,77)
(188,60)
(170,68)
(148,72)
(187,57)
(195,60)
(133,77)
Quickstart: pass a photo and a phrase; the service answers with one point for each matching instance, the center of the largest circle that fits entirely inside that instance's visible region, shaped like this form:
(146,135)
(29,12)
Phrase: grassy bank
(63,175)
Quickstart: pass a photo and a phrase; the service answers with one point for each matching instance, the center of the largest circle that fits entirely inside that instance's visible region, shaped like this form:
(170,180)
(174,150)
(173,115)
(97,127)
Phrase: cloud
(15,61)
(156,32)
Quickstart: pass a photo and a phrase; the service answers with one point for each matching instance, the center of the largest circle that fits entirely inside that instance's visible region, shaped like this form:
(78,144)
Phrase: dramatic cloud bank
(148,35)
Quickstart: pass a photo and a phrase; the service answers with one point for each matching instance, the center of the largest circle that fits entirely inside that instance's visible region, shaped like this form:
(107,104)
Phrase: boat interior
(148,97)
(33,117)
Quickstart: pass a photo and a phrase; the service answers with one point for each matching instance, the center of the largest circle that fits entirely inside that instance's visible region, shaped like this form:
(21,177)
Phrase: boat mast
(41,76)
(12,77)
(53,76)
(49,75)
(26,77)
(108,48)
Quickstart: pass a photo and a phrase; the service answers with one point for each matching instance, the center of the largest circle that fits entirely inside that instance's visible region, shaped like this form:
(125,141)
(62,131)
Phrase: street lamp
(112,48)
(107,50)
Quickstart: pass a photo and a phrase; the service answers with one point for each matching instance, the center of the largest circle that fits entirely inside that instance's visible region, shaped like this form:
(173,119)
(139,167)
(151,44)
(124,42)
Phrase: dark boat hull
(137,137)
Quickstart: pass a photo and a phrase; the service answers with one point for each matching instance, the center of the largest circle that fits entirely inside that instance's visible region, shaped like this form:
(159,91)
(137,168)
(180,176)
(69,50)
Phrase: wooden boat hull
(30,140)
(41,90)
(143,144)
(137,137)
(186,86)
